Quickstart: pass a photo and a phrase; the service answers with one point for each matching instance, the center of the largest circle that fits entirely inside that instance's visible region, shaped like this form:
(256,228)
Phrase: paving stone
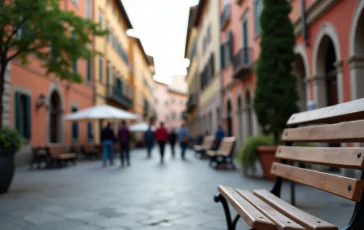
(177,195)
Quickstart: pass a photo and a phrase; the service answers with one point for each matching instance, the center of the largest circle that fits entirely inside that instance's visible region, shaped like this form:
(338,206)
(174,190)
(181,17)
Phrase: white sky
(161,25)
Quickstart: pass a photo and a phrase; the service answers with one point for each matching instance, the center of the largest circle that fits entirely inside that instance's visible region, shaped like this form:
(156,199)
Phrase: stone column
(319,90)
(7,96)
(356,65)
(340,84)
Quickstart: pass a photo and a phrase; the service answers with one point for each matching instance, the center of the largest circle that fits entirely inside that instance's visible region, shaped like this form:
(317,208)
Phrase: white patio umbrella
(140,127)
(101,112)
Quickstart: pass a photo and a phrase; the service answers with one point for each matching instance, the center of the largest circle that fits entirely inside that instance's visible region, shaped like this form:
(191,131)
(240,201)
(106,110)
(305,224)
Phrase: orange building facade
(329,56)
(37,102)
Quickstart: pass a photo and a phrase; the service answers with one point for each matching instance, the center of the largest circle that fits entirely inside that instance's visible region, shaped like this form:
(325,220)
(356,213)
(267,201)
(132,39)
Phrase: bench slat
(348,111)
(334,156)
(341,132)
(301,217)
(342,186)
(281,221)
(253,217)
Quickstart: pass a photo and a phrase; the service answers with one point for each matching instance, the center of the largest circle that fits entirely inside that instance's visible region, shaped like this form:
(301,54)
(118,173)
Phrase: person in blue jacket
(219,135)
(183,137)
(149,140)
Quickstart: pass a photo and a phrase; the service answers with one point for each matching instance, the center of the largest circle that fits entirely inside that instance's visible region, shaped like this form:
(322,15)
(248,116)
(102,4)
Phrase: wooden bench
(207,144)
(90,150)
(262,209)
(60,155)
(224,154)
(39,156)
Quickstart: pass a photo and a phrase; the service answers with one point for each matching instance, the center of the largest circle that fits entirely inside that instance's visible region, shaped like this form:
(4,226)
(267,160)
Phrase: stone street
(147,195)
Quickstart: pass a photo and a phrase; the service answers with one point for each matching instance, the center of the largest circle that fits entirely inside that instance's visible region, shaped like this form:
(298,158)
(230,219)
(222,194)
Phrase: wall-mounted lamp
(41,100)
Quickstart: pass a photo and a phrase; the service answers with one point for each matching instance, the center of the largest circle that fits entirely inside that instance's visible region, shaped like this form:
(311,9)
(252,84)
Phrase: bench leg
(230,225)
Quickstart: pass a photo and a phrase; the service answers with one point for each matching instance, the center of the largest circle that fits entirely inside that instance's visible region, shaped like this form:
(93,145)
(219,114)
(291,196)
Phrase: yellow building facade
(192,77)
(112,66)
(141,80)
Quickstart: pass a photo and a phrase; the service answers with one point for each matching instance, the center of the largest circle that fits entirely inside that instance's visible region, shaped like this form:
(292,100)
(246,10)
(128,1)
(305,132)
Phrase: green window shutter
(100,69)
(89,131)
(222,56)
(17,112)
(28,116)
(231,45)
(74,126)
(88,71)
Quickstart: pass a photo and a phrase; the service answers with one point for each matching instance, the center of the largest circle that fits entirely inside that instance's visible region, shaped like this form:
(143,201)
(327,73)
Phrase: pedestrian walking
(161,136)
(219,135)
(108,141)
(149,140)
(124,140)
(172,137)
(183,137)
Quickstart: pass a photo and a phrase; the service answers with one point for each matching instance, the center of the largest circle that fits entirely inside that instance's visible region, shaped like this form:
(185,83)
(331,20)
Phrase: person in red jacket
(161,136)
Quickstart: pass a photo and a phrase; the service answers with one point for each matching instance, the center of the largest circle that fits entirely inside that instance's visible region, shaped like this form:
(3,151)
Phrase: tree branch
(15,30)
(25,49)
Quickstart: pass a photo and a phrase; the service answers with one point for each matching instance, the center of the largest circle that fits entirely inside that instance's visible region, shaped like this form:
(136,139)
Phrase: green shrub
(247,153)
(10,139)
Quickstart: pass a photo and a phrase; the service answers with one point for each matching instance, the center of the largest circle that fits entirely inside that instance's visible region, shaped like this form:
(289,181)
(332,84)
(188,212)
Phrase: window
(245,41)
(100,19)
(167,119)
(174,115)
(88,71)
(89,131)
(173,101)
(88,9)
(75,2)
(257,13)
(74,125)
(226,3)
(23,114)
(181,116)
(108,74)
(108,35)
(100,69)
(74,66)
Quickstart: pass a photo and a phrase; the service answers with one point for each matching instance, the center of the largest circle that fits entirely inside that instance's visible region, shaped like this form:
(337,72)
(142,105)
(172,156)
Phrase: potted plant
(10,142)
(276,96)
(248,153)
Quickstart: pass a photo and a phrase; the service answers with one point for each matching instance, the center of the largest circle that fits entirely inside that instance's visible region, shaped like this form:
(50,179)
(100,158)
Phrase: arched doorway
(240,121)
(327,91)
(301,84)
(249,115)
(55,118)
(229,119)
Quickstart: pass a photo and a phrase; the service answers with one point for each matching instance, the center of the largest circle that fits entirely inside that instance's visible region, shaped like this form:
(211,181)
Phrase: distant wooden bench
(262,209)
(224,154)
(207,144)
(91,150)
(60,155)
(39,156)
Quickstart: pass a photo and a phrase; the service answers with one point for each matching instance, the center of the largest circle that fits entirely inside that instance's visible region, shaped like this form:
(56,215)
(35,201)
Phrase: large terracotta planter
(7,169)
(267,157)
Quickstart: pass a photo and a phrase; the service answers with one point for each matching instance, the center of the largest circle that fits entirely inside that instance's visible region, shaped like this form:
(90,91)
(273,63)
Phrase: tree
(41,29)
(275,94)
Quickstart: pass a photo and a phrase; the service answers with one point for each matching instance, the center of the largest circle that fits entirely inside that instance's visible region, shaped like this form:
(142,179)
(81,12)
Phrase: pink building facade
(170,106)
(162,103)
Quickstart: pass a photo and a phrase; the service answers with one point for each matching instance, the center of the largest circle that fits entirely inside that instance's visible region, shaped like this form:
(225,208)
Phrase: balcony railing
(117,95)
(192,102)
(225,16)
(242,62)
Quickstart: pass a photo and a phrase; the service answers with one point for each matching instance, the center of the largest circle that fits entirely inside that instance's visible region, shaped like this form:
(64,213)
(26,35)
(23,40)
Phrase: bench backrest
(56,150)
(339,123)
(226,146)
(89,148)
(208,141)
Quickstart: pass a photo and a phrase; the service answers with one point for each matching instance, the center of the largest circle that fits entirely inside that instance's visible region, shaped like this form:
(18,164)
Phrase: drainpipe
(304,24)
(220,70)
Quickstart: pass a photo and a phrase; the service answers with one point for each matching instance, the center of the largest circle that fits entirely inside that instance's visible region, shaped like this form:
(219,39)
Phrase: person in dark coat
(149,140)
(172,140)
(108,141)
(124,139)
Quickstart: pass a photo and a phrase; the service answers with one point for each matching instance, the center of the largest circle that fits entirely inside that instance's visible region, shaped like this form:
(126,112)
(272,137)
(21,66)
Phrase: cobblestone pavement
(147,195)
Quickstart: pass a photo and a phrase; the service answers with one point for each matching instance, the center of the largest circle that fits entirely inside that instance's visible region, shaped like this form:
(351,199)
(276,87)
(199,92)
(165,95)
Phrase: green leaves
(276,95)
(42,29)
(10,139)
